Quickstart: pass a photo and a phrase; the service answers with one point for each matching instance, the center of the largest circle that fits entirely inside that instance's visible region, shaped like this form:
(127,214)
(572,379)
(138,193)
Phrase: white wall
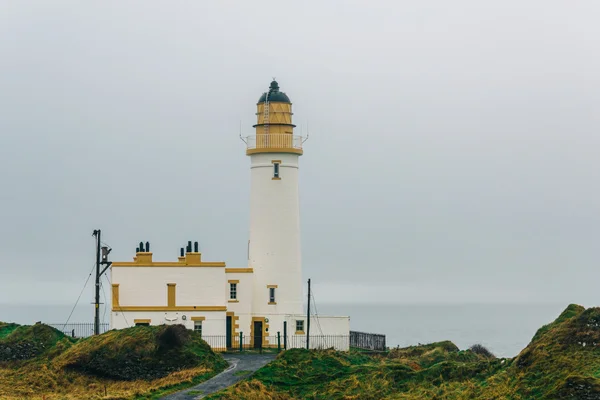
(214,323)
(325,332)
(275,234)
(147,286)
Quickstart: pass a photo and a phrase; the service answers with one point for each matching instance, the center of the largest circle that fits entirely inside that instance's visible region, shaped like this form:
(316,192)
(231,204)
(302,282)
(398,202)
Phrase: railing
(80,330)
(274,141)
(279,342)
(367,341)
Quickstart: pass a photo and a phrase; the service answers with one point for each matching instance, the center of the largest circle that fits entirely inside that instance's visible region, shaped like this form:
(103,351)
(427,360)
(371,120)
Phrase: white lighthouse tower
(274,245)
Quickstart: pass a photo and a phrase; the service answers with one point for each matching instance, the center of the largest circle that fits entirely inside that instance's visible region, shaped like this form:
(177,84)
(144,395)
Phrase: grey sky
(453,153)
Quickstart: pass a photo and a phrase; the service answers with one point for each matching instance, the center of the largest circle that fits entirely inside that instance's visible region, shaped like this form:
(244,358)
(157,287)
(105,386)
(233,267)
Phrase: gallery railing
(274,141)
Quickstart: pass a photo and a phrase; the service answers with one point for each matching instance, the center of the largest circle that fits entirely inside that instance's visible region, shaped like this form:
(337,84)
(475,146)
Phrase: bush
(482,351)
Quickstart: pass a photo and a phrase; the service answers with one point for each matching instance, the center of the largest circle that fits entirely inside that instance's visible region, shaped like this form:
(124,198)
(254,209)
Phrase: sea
(505,329)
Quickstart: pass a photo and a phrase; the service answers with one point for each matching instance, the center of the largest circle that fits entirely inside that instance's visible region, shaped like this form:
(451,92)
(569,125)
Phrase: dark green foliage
(482,351)
(18,343)
(142,352)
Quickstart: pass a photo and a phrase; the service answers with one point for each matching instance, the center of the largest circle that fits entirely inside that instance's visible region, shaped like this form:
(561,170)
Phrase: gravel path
(240,366)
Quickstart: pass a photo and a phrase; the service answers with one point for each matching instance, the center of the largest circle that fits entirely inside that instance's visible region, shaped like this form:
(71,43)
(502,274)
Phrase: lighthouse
(274,242)
(253,305)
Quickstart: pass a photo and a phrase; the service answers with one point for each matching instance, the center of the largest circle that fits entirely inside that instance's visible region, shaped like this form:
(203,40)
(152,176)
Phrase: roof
(274,95)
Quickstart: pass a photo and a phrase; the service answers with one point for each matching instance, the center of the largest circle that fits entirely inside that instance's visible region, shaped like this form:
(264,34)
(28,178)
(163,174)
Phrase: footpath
(240,366)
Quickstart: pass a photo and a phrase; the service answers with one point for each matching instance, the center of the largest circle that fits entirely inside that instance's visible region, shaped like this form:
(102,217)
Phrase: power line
(86,282)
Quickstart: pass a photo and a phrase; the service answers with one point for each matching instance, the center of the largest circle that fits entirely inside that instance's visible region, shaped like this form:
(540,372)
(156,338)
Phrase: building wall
(212,325)
(274,248)
(242,309)
(147,286)
(325,332)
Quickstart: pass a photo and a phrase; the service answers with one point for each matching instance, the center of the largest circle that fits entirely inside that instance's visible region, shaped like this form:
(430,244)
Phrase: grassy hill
(561,362)
(139,362)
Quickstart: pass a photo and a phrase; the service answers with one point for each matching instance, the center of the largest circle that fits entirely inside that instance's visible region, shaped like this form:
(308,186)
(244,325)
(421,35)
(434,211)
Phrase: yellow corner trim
(233,301)
(272,286)
(300,333)
(198,318)
(141,321)
(276,161)
(272,303)
(233,281)
(167,308)
(239,270)
(249,152)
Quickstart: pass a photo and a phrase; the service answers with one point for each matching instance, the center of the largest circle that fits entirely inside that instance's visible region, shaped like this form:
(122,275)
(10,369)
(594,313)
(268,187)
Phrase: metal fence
(358,340)
(80,330)
(279,342)
(367,341)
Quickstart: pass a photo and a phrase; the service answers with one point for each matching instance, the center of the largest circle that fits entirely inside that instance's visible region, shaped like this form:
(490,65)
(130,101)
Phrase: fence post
(241,341)
(285,335)
(278,342)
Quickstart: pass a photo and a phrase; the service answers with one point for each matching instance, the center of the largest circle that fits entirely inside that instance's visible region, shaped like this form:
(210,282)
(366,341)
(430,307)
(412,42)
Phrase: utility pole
(100,260)
(308,318)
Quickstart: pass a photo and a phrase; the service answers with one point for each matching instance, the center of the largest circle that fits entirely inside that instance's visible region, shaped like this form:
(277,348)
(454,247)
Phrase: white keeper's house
(258,300)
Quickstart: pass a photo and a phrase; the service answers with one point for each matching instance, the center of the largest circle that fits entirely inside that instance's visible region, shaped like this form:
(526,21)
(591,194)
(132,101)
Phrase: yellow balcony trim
(239,270)
(259,150)
(198,318)
(167,308)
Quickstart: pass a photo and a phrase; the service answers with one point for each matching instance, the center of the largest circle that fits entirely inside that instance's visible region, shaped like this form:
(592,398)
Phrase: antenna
(241,137)
(307,133)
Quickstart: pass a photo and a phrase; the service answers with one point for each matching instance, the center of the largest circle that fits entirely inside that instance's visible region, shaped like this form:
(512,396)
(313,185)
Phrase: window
(275,170)
(233,291)
(198,327)
(272,295)
(299,326)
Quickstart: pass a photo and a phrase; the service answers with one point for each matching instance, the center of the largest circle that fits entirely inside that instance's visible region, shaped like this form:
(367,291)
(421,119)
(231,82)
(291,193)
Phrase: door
(228,332)
(258,334)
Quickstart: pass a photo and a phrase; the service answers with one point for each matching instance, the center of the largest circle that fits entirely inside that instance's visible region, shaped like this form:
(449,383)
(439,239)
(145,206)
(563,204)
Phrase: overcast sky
(453,152)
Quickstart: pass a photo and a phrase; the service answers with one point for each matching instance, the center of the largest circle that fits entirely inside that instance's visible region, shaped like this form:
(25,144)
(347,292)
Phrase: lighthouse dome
(274,95)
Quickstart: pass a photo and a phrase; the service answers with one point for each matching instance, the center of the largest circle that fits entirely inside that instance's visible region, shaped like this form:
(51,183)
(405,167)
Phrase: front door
(228,332)
(258,334)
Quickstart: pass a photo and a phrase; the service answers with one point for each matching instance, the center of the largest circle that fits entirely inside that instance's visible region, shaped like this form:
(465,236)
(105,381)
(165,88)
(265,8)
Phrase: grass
(561,362)
(136,363)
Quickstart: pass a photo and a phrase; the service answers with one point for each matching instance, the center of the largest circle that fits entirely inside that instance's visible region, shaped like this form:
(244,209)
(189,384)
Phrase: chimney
(189,246)
(142,247)
(137,249)
(196,247)
(181,252)
(148,246)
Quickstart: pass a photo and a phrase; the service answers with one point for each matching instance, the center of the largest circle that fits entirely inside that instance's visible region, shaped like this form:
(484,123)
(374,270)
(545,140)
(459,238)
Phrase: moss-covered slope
(38,361)
(561,362)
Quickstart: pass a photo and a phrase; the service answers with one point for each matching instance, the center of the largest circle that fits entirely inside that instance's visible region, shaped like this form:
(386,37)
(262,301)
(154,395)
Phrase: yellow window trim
(171,287)
(167,308)
(141,321)
(300,333)
(239,270)
(198,319)
(115,294)
(272,286)
(275,179)
(275,161)
(233,301)
(272,303)
(233,281)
